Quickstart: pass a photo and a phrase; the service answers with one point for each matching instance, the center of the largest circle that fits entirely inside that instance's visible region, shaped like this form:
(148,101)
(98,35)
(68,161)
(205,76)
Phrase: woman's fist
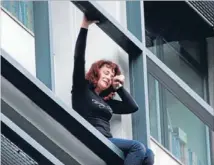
(86,23)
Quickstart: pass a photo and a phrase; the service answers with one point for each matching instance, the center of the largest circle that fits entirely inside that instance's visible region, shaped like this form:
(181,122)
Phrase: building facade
(164,49)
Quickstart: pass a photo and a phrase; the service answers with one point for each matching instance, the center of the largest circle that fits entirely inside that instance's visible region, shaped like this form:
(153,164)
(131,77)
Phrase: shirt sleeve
(126,106)
(79,81)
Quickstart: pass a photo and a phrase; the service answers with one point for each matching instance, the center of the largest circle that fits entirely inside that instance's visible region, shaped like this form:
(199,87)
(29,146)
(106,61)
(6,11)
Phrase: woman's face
(106,76)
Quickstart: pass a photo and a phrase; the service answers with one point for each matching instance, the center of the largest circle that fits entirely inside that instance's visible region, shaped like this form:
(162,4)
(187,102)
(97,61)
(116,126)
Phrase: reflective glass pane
(178,42)
(175,54)
(154,108)
(173,58)
(176,127)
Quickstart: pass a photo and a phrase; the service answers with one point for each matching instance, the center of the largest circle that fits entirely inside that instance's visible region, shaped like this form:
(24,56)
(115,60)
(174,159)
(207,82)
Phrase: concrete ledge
(26,144)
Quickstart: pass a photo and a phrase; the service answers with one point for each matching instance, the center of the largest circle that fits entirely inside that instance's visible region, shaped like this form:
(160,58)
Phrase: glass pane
(154,108)
(174,60)
(192,48)
(183,134)
(22,10)
(186,132)
(177,42)
(173,55)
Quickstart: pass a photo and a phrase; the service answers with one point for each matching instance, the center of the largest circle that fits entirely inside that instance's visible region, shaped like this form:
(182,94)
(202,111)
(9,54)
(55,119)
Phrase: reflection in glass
(22,10)
(183,59)
(154,107)
(181,132)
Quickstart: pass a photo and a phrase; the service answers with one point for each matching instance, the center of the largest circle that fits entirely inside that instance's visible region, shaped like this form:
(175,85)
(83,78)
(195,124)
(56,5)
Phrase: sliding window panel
(180,41)
(180,128)
(182,58)
(154,108)
(180,89)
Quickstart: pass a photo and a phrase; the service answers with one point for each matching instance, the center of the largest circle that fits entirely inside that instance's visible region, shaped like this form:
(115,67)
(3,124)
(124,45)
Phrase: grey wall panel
(205,8)
(43,43)
(138,74)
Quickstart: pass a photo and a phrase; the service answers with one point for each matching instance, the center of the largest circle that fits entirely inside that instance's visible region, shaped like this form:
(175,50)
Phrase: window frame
(30,31)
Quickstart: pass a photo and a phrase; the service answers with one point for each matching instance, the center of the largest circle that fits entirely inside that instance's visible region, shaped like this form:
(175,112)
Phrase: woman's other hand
(86,23)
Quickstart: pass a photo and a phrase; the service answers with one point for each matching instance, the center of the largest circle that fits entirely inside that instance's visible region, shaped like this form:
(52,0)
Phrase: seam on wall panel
(122,17)
(52,66)
(145,68)
(143,26)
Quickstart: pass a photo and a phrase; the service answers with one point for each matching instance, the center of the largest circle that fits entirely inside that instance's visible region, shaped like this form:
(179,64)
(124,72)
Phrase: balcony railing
(59,129)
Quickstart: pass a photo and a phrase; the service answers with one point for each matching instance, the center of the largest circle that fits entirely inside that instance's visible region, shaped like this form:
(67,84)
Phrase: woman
(92,97)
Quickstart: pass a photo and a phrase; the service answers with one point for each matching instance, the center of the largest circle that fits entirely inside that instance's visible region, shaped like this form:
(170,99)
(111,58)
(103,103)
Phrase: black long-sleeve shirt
(89,104)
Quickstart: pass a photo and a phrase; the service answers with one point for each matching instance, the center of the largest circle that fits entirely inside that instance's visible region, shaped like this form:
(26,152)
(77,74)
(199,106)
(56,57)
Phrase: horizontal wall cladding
(206,8)
(13,155)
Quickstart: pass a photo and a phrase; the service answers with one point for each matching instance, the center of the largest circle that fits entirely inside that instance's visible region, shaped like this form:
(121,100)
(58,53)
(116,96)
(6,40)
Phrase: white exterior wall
(66,27)
(161,156)
(17,42)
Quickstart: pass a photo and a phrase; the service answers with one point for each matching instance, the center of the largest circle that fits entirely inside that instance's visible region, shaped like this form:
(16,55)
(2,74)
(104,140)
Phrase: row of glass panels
(171,123)
(174,126)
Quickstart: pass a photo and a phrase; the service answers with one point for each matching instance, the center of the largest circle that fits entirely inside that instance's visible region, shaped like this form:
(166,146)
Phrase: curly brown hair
(93,76)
